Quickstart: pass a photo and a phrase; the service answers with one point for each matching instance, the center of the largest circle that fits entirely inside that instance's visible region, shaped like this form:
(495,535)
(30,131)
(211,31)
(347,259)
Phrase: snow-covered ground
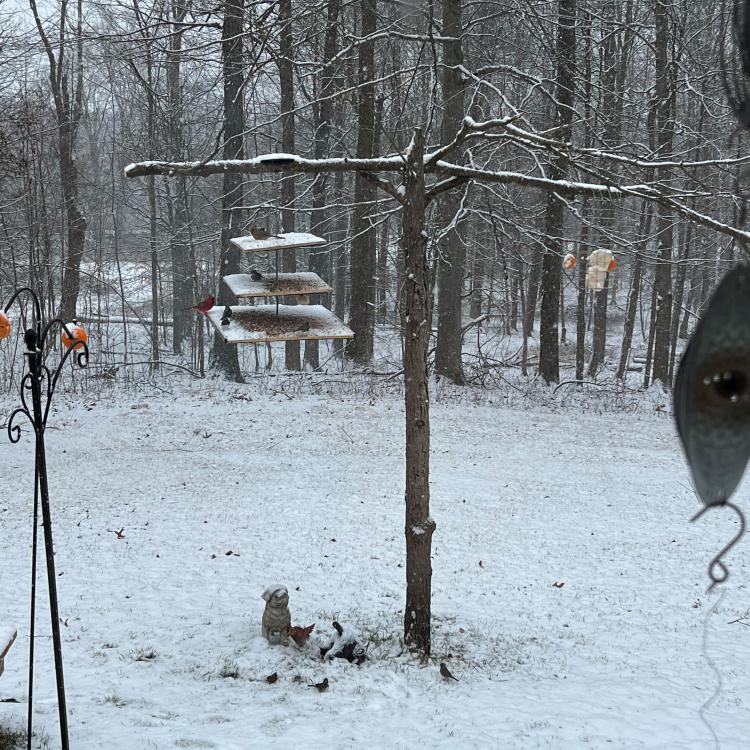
(222,490)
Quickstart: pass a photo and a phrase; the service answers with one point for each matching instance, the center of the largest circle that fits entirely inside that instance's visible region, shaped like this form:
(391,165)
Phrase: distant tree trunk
(224,357)
(288,146)
(665,94)
(583,254)
(323,116)
(617,26)
(549,346)
(417,294)
(687,239)
(68,101)
(635,289)
(452,254)
(179,239)
(362,258)
(583,240)
(477,280)
(383,271)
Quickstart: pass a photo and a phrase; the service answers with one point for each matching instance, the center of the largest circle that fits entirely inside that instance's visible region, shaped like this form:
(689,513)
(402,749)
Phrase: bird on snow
(260,233)
(445,673)
(226,316)
(272,678)
(256,275)
(321,687)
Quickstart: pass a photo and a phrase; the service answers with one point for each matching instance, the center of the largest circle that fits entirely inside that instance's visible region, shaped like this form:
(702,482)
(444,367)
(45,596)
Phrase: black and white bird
(260,233)
(256,275)
(226,316)
(321,687)
(445,673)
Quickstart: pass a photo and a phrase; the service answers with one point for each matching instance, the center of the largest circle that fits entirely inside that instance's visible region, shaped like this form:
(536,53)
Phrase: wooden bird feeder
(262,324)
(280,285)
(287,241)
(258,324)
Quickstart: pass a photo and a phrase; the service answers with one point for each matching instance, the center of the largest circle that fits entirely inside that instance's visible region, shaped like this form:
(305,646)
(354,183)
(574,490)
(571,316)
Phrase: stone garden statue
(276,617)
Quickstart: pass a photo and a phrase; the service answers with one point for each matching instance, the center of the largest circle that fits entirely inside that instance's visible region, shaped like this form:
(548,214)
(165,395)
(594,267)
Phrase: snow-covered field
(161,628)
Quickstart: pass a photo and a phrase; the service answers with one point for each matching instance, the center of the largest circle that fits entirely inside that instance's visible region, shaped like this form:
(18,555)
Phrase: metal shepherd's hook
(717,571)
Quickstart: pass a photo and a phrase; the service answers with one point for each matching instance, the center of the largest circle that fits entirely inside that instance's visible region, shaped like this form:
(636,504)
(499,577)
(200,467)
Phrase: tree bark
(68,100)
(417,293)
(288,146)
(323,114)
(224,357)
(362,261)
(664,137)
(452,253)
(549,346)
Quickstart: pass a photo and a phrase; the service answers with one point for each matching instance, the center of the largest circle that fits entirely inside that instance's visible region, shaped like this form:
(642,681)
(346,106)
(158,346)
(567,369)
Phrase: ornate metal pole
(41,382)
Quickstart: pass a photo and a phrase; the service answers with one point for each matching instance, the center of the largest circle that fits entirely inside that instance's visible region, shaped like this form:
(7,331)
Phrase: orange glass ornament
(78,336)
(5,326)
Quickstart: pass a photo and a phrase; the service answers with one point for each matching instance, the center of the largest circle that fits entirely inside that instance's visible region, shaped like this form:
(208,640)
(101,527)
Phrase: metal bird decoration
(712,401)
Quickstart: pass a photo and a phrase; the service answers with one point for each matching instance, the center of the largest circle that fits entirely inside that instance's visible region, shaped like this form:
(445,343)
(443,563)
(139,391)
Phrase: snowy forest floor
(161,632)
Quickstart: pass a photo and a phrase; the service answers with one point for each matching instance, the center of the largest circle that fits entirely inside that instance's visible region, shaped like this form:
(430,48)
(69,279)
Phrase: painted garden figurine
(276,617)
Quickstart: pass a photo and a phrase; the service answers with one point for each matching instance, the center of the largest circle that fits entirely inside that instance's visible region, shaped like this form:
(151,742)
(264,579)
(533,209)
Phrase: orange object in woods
(612,265)
(78,336)
(4,326)
(569,262)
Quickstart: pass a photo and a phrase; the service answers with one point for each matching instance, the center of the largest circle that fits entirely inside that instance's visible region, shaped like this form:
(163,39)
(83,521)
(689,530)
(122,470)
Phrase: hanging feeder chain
(36,339)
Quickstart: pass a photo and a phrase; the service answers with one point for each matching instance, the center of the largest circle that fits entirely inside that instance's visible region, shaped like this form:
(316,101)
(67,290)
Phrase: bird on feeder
(260,233)
(226,316)
(256,275)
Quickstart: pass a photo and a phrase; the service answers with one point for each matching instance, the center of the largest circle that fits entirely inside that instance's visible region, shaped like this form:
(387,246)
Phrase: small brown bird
(272,678)
(260,233)
(204,305)
(256,275)
(226,316)
(321,687)
(445,673)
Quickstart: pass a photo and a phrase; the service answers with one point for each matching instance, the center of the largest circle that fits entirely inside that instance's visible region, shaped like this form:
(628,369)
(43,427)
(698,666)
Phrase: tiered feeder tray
(276,285)
(259,324)
(288,241)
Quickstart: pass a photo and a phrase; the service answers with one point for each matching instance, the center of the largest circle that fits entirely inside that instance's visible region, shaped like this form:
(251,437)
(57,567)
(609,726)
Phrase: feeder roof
(287,241)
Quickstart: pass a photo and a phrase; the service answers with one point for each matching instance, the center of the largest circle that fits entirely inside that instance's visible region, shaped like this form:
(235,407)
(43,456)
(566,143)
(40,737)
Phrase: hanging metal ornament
(712,402)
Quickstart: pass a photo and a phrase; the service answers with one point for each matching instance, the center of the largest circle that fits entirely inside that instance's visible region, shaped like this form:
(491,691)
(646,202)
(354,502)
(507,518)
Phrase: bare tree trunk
(362,259)
(224,357)
(635,290)
(687,239)
(323,114)
(68,99)
(417,293)
(549,346)
(664,134)
(181,285)
(452,254)
(288,146)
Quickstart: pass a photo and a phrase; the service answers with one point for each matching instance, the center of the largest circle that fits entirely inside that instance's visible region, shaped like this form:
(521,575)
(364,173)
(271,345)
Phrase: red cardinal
(205,305)
(300,635)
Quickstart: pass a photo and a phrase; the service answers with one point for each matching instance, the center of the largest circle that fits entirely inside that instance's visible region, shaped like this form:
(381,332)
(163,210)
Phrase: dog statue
(276,617)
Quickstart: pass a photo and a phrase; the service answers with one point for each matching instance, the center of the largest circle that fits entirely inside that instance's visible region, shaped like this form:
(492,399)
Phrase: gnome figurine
(276,617)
